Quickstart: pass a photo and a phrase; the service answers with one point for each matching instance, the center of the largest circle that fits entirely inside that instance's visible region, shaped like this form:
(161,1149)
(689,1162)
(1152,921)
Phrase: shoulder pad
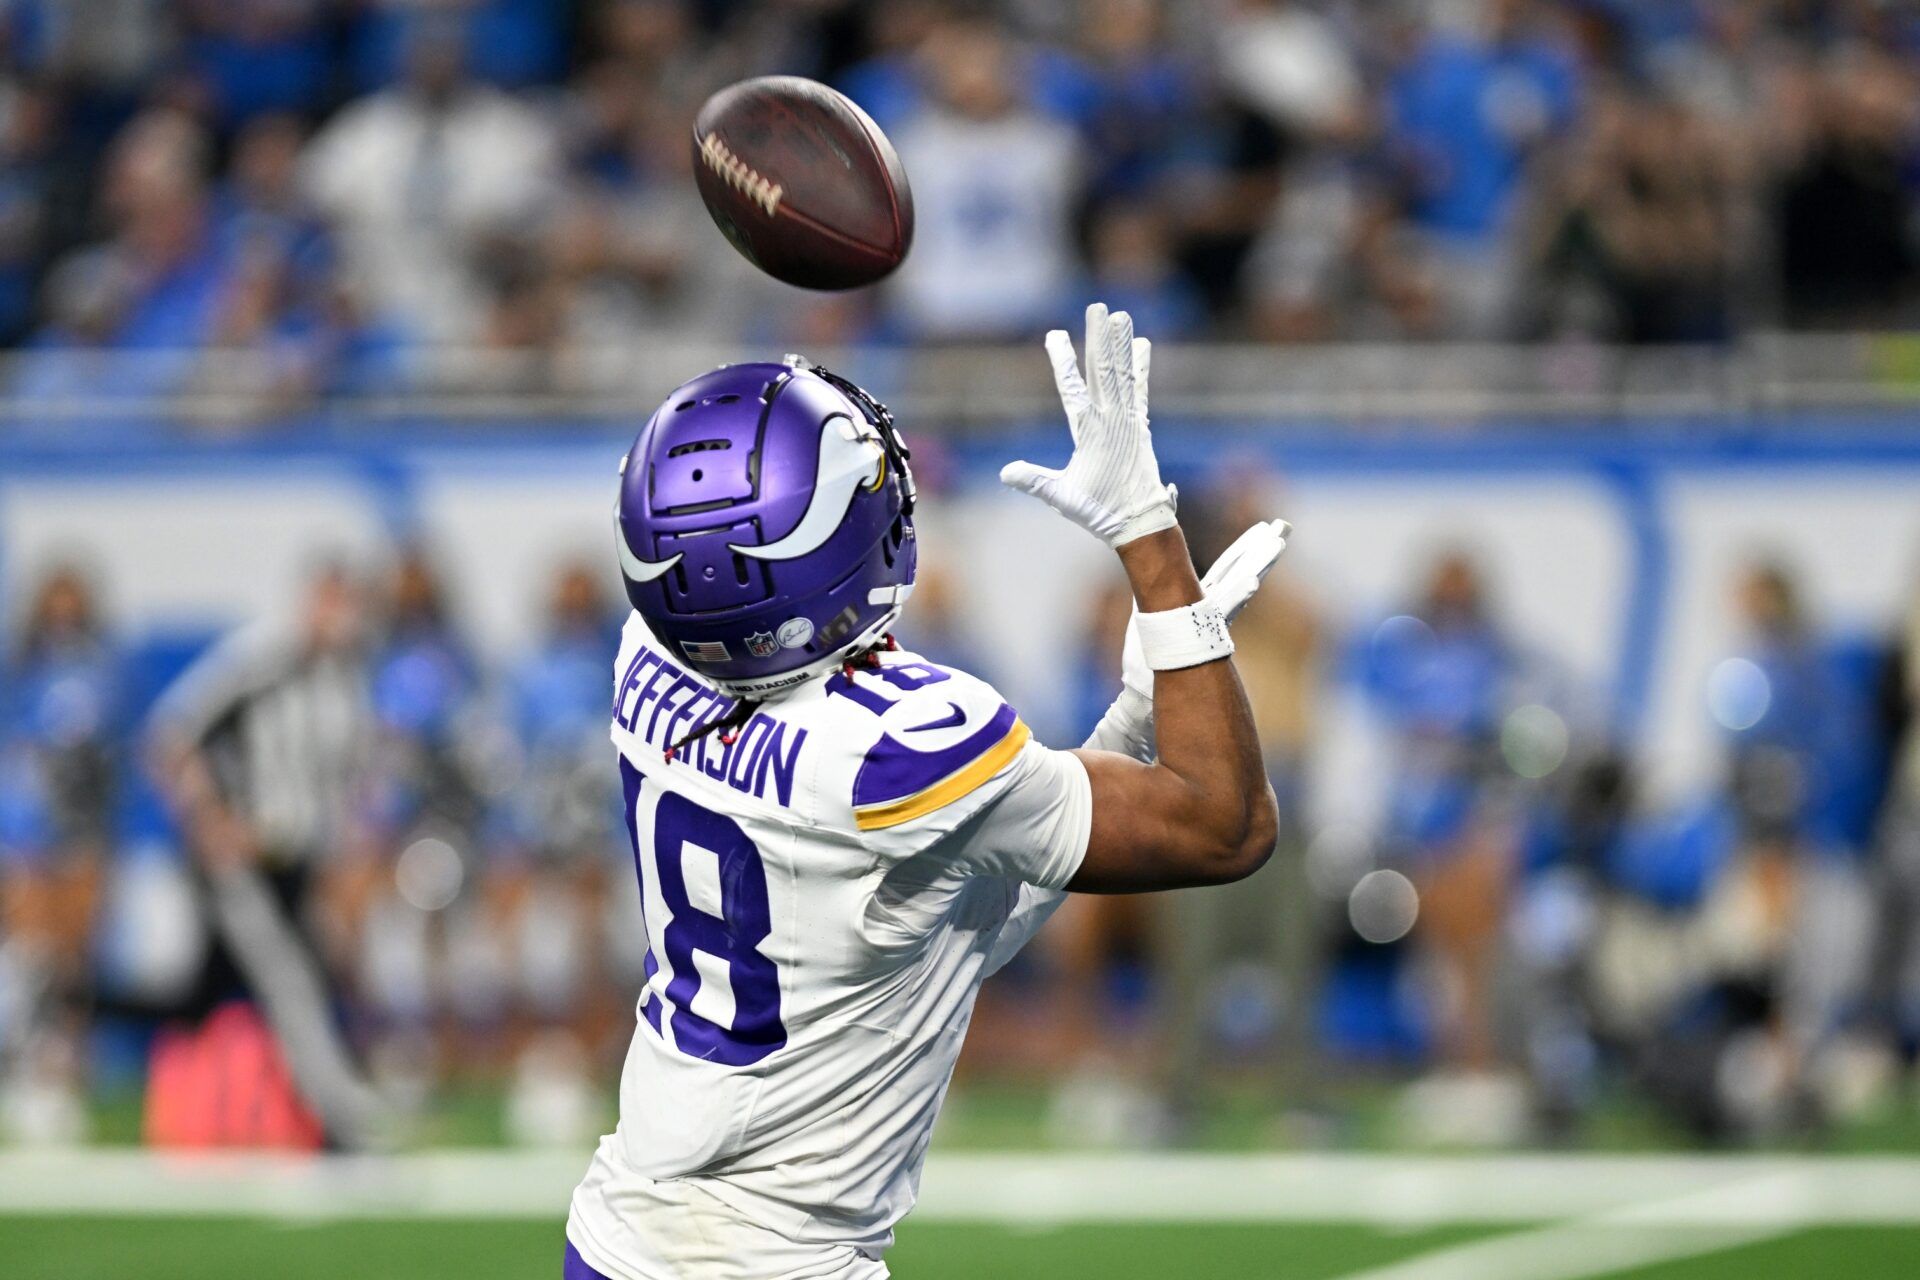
(941,735)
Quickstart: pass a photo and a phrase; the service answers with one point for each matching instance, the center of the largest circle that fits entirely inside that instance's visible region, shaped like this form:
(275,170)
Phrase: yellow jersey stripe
(949,788)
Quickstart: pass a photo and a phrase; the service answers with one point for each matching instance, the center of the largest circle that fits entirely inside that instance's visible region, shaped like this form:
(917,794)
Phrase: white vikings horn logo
(849,459)
(636,569)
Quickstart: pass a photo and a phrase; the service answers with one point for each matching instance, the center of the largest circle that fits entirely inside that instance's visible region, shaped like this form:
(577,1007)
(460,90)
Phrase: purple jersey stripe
(893,771)
(576,1267)
(630,788)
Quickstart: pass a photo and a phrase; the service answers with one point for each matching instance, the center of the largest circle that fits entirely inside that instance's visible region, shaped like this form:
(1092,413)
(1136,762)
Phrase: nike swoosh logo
(944,722)
(633,566)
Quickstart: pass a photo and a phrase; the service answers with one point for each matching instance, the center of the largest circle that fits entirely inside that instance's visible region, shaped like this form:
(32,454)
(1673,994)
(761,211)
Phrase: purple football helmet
(765,524)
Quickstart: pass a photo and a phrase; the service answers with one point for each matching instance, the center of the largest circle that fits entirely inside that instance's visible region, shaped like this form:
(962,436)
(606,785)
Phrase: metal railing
(973,387)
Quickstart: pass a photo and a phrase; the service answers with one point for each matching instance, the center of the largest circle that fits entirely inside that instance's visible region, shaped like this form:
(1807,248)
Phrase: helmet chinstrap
(891,443)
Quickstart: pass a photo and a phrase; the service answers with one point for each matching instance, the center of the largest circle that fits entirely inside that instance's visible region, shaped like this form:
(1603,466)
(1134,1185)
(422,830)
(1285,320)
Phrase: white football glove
(1111,486)
(1227,586)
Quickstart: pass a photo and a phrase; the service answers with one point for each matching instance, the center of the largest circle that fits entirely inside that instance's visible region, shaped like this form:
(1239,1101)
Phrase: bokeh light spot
(428,874)
(1738,694)
(1533,739)
(1383,906)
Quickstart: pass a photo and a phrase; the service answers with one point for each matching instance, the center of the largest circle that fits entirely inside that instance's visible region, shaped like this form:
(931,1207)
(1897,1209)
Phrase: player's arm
(1203,813)
(179,726)
(1127,726)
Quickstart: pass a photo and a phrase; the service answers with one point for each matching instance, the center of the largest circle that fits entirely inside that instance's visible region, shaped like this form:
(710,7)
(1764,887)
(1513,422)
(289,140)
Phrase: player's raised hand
(1227,586)
(1111,486)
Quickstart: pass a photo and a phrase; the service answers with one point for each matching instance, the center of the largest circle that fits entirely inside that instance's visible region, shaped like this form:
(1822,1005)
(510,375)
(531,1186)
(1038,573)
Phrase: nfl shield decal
(761,644)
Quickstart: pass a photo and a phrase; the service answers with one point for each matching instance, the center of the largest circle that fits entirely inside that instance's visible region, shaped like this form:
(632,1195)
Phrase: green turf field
(213,1249)
(457,1214)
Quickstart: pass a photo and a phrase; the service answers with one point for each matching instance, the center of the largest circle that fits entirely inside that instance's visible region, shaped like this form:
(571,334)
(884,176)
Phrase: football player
(837,840)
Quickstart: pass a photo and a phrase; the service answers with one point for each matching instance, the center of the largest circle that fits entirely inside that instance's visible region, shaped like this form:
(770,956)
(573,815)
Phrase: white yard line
(1745,1211)
(1622,1193)
(1418,1191)
(1572,1251)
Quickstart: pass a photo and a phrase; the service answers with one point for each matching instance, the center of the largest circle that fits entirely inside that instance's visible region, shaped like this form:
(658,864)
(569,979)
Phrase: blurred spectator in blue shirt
(61,706)
(154,192)
(152,288)
(1439,677)
(281,301)
(285,303)
(408,901)
(1466,111)
(564,687)
(560,694)
(511,43)
(1442,678)
(559,824)
(1142,93)
(424,682)
(1464,114)
(1777,703)
(901,76)
(886,83)
(61,753)
(262,198)
(1133,271)
(258,56)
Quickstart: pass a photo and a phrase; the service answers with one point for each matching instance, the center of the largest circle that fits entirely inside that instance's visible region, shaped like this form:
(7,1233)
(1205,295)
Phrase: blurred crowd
(416,864)
(1521,918)
(281,200)
(441,838)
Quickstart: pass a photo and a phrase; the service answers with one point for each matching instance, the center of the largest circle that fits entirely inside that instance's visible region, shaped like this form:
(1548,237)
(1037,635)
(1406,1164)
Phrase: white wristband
(1184,637)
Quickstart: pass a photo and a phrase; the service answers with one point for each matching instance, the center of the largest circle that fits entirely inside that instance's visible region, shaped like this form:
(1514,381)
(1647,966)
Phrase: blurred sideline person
(59,785)
(1093,933)
(405,893)
(837,840)
(1237,963)
(1793,908)
(1736,966)
(1229,968)
(263,747)
(1445,673)
(571,941)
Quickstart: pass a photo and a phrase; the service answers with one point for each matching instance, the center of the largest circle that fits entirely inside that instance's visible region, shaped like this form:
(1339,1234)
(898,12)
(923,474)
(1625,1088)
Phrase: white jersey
(823,898)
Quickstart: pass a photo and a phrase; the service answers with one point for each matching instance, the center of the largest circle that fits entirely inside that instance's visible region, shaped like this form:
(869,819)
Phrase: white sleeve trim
(1065,847)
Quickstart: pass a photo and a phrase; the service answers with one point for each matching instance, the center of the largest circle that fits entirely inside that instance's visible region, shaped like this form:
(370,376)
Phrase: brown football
(802,182)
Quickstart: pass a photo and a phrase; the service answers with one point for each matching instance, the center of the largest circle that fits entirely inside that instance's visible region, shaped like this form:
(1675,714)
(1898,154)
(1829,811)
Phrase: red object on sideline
(225,1083)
